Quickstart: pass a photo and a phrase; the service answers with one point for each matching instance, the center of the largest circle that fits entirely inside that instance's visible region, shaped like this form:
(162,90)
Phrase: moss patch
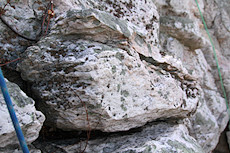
(114,69)
(123,107)
(125,93)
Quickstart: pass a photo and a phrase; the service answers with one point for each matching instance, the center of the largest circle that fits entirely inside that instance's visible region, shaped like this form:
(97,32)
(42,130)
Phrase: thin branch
(87,118)
(9,62)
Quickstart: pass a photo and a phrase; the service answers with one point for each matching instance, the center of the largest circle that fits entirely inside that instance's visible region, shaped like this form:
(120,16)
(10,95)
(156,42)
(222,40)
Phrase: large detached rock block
(119,91)
(122,88)
(30,120)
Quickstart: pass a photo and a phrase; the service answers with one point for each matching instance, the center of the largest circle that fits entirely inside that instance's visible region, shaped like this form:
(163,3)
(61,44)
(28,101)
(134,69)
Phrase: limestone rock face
(29,118)
(117,65)
(121,84)
(222,36)
(199,62)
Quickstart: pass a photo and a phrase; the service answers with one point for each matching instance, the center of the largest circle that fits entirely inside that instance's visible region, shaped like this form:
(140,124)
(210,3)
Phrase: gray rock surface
(23,20)
(199,63)
(160,137)
(221,32)
(130,63)
(29,118)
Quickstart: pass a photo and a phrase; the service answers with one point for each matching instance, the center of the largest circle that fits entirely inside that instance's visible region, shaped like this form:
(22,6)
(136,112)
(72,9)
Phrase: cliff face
(115,66)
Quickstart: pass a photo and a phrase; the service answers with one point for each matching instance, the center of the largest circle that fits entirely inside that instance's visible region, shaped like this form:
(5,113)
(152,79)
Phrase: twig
(9,62)
(2,10)
(48,13)
(45,16)
(87,118)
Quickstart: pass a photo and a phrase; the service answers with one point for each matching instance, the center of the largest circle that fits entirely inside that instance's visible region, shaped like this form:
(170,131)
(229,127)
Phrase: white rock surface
(30,120)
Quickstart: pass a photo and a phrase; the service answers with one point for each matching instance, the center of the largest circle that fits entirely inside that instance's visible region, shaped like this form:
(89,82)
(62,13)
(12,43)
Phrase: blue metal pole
(13,116)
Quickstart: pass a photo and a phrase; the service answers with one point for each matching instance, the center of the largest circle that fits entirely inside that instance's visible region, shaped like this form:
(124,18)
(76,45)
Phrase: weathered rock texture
(128,63)
(160,137)
(118,85)
(30,120)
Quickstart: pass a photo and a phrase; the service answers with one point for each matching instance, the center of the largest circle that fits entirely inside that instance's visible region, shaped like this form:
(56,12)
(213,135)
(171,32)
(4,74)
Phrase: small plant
(48,14)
